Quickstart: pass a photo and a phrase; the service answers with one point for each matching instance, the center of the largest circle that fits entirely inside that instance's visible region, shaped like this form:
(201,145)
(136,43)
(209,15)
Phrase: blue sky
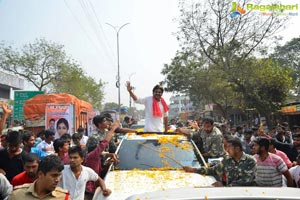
(145,44)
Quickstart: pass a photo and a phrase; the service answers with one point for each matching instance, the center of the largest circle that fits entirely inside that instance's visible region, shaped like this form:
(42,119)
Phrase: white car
(222,193)
(152,162)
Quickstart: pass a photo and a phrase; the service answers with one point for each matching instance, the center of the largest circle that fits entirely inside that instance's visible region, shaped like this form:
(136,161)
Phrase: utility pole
(117,30)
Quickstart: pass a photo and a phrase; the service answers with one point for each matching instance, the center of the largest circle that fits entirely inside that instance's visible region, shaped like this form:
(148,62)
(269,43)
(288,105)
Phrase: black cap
(108,117)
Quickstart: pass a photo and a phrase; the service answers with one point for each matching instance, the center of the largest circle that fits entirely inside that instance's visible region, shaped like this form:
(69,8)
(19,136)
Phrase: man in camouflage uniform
(103,125)
(45,187)
(208,139)
(236,169)
(99,133)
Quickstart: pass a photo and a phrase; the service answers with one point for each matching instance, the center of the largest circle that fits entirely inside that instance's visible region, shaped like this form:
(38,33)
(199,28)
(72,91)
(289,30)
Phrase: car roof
(153,136)
(221,193)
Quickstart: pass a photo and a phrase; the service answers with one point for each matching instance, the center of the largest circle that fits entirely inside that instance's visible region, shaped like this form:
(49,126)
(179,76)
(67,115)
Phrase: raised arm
(129,89)
(184,131)
(111,132)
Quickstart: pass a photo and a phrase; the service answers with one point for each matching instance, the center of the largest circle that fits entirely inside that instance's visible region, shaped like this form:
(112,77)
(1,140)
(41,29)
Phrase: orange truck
(43,107)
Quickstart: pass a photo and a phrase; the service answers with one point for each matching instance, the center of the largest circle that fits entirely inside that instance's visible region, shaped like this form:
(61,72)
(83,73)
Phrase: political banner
(59,118)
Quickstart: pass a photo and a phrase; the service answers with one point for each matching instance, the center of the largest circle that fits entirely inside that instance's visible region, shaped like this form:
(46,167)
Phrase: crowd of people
(49,166)
(249,156)
(69,167)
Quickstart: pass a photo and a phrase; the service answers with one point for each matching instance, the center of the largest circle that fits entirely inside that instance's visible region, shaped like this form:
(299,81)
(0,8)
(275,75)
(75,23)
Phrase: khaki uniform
(27,192)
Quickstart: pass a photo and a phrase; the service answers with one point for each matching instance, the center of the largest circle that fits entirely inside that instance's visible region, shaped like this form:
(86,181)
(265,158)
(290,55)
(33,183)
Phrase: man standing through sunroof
(156,109)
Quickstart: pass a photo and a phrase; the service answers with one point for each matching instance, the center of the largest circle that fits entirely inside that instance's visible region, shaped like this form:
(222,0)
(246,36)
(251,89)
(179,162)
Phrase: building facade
(7,83)
(181,107)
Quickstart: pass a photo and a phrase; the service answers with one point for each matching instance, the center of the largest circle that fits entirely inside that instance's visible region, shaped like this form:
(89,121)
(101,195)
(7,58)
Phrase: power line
(87,35)
(100,26)
(81,26)
(94,28)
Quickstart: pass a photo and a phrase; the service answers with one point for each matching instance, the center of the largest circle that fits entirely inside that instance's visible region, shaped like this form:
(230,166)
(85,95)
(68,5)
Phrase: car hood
(126,183)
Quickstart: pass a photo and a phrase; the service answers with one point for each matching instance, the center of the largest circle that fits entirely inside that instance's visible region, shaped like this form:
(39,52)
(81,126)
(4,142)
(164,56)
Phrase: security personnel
(236,169)
(45,187)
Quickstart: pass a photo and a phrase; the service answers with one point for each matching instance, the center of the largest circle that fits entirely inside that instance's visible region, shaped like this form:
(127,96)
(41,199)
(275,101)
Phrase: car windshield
(150,154)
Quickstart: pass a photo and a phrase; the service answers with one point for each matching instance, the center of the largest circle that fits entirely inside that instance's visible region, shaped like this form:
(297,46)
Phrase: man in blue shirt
(28,139)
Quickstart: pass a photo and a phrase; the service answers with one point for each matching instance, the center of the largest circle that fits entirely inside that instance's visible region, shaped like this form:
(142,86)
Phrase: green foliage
(216,62)
(110,106)
(189,74)
(263,85)
(46,66)
(73,80)
(39,62)
(259,83)
(288,57)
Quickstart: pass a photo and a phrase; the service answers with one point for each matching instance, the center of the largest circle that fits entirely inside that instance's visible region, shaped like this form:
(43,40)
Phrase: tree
(288,56)
(111,106)
(39,62)
(47,67)
(263,84)
(215,51)
(206,28)
(73,80)
(188,74)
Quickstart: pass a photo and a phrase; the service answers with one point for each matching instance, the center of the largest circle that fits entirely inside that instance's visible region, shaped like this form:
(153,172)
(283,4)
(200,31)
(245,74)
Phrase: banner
(90,126)
(59,118)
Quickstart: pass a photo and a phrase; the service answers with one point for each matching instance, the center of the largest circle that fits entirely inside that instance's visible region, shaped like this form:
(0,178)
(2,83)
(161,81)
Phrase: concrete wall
(8,81)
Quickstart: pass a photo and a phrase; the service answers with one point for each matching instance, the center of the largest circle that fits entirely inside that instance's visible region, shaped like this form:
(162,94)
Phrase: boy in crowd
(75,176)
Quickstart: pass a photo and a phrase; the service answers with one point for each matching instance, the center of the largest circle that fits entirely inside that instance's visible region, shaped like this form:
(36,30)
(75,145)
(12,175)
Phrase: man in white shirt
(5,187)
(156,109)
(47,144)
(75,176)
(83,138)
(239,133)
(295,172)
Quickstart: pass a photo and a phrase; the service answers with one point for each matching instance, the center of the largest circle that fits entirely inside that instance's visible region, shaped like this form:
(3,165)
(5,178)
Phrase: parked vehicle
(153,162)
(35,112)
